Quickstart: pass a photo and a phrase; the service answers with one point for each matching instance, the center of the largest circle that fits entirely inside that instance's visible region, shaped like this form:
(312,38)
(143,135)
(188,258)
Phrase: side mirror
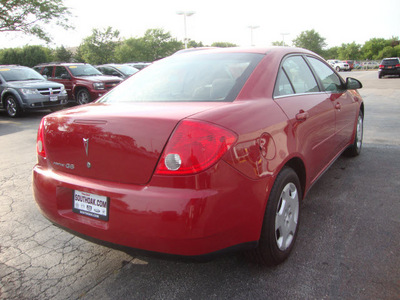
(45,76)
(353,84)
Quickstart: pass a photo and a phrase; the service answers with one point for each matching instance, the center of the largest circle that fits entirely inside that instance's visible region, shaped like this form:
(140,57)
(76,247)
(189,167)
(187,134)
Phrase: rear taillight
(40,140)
(381,66)
(398,66)
(193,147)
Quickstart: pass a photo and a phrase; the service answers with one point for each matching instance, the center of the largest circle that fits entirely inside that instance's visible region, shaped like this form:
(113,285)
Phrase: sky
(339,21)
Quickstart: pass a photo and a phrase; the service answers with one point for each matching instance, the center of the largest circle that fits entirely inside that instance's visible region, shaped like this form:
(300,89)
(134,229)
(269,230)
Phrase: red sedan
(201,152)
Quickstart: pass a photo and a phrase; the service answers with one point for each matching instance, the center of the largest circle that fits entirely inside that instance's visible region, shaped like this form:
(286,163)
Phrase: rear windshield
(392,61)
(193,77)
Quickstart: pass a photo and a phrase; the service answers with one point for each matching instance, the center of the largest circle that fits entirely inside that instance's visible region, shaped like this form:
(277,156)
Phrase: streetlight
(251,30)
(283,37)
(185,14)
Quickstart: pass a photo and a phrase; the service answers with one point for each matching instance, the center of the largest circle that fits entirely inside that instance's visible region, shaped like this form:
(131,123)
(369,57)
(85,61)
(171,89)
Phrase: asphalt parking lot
(347,248)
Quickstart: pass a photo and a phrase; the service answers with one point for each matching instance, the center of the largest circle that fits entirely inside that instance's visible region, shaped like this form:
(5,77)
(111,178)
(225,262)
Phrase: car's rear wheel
(12,107)
(281,220)
(83,97)
(355,148)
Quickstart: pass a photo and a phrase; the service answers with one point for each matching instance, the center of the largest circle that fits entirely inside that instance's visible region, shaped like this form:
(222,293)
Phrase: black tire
(355,148)
(283,208)
(83,97)
(12,107)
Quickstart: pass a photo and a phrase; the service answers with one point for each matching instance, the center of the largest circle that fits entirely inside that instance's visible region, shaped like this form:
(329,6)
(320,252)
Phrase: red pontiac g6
(201,152)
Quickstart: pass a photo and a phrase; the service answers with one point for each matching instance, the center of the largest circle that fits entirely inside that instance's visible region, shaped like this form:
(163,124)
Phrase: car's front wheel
(12,107)
(83,97)
(281,220)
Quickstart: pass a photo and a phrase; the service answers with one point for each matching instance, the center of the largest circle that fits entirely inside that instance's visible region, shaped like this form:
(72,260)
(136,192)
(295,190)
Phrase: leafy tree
(159,44)
(61,54)
(372,48)
(223,44)
(310,40)
(194,44)
(331,53)
(99,47)
(349,51)
(30,16)
(130,50)
(278,43)
(78,55)
(26,56)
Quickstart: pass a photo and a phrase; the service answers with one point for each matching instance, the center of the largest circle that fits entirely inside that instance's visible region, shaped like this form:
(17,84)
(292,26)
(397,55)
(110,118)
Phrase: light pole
(185,14)
(283,37)
(251,32)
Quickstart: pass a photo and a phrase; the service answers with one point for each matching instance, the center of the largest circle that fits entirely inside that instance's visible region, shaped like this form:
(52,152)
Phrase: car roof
(257,50)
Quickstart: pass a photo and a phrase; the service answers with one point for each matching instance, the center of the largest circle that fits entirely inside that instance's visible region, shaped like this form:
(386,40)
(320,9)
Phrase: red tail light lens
(398,66)
(40,140)
(193,147)
(381,66)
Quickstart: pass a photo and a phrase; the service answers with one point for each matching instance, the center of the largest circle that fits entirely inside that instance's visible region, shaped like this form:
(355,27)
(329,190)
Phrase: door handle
(338,106)
(302,115)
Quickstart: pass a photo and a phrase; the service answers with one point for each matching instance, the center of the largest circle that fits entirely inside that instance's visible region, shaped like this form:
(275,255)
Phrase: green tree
(278,43)
(371,48)
(78,55)
(349,51)
(331,53)
(99,47)
(159,44)
(155,44)
(61,54)
(223,44)
(310,40)
(11,56)
(194,44)
(30,17)
(130,50)
(27,56)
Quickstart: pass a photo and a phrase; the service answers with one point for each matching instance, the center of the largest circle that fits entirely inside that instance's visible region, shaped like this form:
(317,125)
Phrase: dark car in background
(119,70)
(83,82)
(389,66)
(139,65)
(23,89)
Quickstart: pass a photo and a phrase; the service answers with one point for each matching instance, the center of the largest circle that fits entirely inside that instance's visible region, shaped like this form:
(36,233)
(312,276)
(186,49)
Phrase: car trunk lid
(119,142)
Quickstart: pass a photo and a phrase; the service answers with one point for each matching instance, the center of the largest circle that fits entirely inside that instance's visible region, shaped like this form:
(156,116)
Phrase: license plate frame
(91,205)
(53,98)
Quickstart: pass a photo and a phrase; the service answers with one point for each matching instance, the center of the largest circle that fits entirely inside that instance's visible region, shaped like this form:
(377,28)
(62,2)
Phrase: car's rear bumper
(394,71)
(181,221)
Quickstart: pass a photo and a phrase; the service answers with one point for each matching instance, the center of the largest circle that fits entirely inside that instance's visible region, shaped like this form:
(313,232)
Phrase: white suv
(339,65)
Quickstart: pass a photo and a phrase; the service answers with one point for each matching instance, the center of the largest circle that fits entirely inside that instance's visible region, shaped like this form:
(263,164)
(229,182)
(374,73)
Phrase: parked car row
(83,82)
(339,65)
(23,89)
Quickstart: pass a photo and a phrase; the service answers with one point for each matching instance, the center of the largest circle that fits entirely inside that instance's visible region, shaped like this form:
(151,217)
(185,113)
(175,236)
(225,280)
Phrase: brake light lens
(40,140)
(381,66)
(398,66)
(193,147)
